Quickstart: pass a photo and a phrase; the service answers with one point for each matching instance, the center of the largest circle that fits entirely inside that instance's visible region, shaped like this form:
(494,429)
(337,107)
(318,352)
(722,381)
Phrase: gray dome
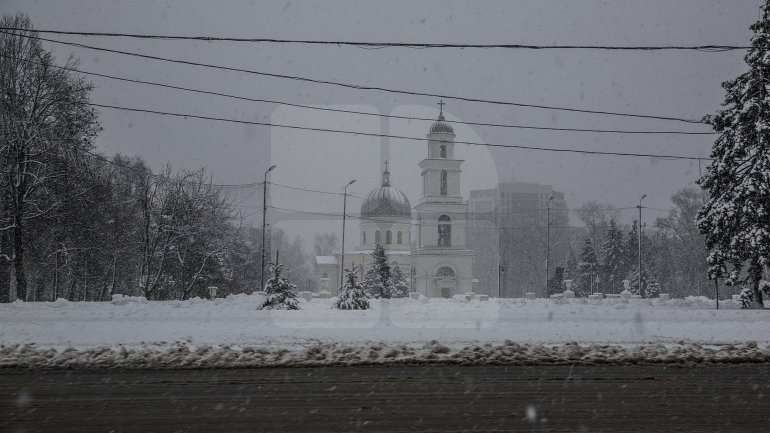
(441,127)
(386,201)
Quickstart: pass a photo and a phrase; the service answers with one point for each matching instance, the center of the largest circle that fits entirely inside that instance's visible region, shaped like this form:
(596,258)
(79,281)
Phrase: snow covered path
(54,334)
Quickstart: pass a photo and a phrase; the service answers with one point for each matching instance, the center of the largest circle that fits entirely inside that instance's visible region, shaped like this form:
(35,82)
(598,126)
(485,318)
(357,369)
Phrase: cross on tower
(441,104)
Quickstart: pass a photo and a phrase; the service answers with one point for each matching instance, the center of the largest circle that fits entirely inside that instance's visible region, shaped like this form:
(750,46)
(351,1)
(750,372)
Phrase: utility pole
(344,211)
(264,235)
(639,268)
(547,243)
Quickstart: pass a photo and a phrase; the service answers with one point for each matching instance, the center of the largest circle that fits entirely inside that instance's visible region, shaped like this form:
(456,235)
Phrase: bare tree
(46,123)
(325,244)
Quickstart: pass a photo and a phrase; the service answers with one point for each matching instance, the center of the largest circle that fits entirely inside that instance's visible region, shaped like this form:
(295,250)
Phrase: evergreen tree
(613,259)
(399,284)
(280,294)
(645,281)
(653,288)
(377,279)
(631,251)
(736,216)
(352,295)
(586,269)
(556,284)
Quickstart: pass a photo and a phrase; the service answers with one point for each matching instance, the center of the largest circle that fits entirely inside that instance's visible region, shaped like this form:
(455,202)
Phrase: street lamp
(344,211)
(264,236)
(547,243)
(639,264)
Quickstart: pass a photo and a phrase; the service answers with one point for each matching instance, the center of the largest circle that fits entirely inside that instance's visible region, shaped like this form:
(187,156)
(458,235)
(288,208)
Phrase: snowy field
(230,332)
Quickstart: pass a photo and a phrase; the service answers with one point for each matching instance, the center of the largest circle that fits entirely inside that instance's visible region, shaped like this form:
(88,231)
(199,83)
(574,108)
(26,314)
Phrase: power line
(361,87)
(398,137)
(337,110)
(255,184)
(370,44)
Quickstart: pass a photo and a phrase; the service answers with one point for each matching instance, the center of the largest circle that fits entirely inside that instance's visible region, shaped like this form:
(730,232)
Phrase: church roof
(440,126)
(386,201)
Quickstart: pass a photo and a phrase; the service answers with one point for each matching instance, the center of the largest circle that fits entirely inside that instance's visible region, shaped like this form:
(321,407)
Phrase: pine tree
(377,279)
(556,284)
(631,251)
(280,294)
(646,281)
(586,269)
(352,295)
(736,216)
(399,284)
(613,259)
(653,288)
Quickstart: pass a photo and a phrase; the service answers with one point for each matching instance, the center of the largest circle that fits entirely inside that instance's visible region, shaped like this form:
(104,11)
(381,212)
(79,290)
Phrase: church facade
(429,244)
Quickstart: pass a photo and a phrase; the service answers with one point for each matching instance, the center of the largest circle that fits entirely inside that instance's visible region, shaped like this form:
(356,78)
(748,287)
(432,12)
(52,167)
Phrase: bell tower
(443,264)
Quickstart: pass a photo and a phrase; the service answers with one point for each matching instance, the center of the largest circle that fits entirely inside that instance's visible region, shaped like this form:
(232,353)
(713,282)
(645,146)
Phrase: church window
(443,150)
(444,231)
(388,237)
(400,239)
(377,237)
(363,237)
(443,182)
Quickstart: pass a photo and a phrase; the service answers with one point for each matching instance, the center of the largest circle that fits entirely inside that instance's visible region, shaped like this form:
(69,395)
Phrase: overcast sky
(668,83)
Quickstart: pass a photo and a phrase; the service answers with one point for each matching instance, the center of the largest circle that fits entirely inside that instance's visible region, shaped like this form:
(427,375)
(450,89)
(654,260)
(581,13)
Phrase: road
(391,399)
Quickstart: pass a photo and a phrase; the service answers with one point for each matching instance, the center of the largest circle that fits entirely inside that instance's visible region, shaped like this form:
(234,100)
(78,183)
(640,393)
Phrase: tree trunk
(755,276)
(18,260)
(5,267)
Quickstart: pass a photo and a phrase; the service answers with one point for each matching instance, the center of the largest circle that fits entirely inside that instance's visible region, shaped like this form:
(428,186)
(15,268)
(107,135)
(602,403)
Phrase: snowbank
(183,355)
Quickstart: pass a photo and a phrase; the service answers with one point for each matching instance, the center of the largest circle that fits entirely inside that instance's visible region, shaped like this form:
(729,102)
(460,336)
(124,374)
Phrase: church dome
(440,126)
(386,201)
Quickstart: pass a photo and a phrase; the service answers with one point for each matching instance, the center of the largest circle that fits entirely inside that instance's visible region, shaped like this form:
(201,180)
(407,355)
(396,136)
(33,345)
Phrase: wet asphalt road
(391,399)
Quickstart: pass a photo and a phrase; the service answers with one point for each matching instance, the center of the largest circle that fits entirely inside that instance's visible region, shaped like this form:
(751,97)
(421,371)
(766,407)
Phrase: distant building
(508,227)
(438,262)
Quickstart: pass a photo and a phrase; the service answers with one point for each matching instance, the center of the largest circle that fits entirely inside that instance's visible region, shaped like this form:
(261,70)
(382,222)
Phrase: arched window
(444,231)
(443,150)
(388,237)
(377,237)
(443,182)
(363,237)
(400,239)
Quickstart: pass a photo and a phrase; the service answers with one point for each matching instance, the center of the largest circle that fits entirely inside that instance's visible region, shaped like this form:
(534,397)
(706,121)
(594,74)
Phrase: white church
(429,244)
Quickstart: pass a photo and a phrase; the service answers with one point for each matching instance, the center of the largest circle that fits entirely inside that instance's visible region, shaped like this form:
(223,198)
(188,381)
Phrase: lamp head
(271,168)
(351,182)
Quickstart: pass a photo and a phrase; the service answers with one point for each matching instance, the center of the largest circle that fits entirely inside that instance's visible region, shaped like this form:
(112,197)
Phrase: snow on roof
(326,260)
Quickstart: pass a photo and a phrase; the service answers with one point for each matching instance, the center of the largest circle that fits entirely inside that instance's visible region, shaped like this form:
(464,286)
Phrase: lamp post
(547,242)
(344,212)
(264,237)
(639,263)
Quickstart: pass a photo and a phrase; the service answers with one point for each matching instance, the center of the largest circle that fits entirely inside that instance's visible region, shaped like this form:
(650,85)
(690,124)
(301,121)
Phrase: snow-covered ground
(131,332)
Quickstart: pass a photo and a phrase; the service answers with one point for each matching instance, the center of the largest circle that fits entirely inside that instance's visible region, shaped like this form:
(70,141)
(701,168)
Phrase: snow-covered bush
(746,298)
(653,288)
(352,295)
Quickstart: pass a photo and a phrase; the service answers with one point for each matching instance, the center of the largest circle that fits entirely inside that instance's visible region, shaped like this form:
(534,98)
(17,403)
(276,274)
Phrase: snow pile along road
(183,355)
(229,332)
